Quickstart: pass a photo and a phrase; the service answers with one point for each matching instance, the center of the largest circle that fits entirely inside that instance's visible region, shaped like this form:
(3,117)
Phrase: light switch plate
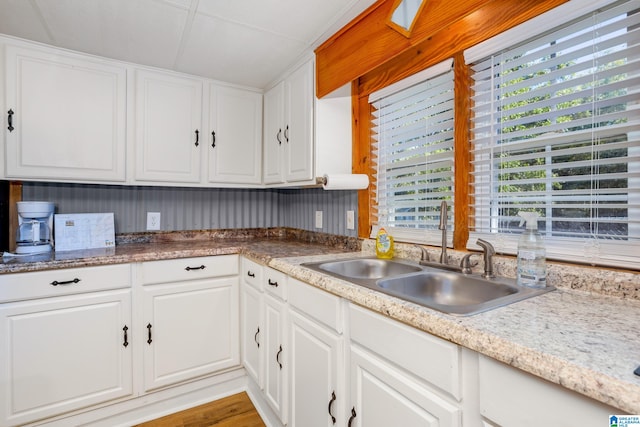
(318,219)
(351,221)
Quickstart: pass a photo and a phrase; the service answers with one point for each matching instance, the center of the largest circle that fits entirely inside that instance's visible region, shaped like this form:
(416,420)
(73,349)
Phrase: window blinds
(556,129)
(413,153)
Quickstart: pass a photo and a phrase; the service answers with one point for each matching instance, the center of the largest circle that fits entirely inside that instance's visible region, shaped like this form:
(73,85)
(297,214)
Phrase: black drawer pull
(10,114)
(352,417)
(202,267)
(126,341)
(149,340)
(255,337)
(66,282)
(272,283)
(197,137)
(333,399)
(278,357)
(250,274)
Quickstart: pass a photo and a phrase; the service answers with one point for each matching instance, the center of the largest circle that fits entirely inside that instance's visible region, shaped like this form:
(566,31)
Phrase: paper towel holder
(359,181)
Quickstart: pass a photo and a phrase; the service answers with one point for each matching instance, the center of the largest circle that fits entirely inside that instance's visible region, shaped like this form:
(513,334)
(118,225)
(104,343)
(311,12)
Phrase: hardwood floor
(232,411)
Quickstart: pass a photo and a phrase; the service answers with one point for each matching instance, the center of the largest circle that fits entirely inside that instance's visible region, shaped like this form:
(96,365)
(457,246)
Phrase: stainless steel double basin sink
(445,291)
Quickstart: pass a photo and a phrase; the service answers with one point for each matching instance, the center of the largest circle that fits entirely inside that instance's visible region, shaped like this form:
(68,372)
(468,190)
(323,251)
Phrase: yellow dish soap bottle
(384,244)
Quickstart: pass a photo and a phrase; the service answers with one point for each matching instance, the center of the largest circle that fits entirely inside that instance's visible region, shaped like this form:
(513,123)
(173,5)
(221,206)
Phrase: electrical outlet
(318,219)
(351,220)
(153,221)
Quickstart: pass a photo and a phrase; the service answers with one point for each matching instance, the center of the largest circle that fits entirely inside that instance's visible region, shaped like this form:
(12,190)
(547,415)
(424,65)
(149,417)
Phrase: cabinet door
(190,329)
(69,117)
(274,138)
(253,332)
(383,396)
(299,124)
(61,354)
(235,138)
(275,359)
(169,139)
(316,398)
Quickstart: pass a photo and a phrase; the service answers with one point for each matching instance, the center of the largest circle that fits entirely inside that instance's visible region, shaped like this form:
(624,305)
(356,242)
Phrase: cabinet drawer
(177,270)
(511,397)
(275,282)
(430,358)
(251,273)
(50,283)
(316,303)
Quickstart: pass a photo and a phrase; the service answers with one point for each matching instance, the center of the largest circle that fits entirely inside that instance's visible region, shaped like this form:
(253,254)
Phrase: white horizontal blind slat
(412,132)
(556,129)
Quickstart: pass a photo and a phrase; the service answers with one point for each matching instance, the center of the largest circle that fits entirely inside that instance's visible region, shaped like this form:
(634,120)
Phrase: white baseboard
(156,404)
(262,406)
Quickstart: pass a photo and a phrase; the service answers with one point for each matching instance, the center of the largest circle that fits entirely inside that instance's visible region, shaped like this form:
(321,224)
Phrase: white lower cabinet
(400,375)
(383,395)
(510,397)
(63,349)
(80,345)
(316,375)
(252,333)
(276,364)
(264,346)
(190,316)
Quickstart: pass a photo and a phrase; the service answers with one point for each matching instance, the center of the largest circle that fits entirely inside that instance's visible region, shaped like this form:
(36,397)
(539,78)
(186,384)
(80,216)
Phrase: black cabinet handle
(272,283)
(250,274)
(278,137)
(255,337)
(333,399)
(149,340)
(126,341)
(286,133)
(67,282)
(10,120)
(352,417)
(197,137)
(213,139)
(278,357)
(202,267)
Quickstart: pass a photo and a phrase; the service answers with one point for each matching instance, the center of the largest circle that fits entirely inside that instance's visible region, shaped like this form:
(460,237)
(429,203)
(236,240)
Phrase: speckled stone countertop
(262,244)
(585,341)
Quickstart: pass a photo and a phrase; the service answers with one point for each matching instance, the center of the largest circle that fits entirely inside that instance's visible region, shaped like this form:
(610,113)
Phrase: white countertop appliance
(35,227)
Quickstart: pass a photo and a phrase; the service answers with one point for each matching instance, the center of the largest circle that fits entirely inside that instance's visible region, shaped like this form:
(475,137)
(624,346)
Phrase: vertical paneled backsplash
(202,208)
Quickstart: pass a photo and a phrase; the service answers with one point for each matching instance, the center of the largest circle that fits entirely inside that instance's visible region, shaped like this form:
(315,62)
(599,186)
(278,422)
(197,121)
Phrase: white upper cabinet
(168,127)
(235,136)
(304,137)
(298,130)
(66,116)
(288,128)
(273,152)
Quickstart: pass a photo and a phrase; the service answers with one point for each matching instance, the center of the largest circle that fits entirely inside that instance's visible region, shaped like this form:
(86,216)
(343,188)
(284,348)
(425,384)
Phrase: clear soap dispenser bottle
(532,268)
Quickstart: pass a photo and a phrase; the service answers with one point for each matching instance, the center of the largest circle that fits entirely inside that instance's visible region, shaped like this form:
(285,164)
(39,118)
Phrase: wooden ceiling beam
(368,48)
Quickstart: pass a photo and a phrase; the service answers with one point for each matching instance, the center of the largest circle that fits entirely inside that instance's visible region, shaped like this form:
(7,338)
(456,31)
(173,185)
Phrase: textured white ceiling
(247,42)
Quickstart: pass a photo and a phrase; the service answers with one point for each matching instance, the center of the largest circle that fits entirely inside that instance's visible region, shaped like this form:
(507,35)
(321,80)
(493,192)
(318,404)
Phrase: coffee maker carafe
(35,227)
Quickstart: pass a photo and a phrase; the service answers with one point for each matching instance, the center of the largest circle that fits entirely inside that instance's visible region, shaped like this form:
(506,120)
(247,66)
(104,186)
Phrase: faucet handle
(465,263)
(425,253)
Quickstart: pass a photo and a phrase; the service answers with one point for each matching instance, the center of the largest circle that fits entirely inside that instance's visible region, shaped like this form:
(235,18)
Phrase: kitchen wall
(202,208)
